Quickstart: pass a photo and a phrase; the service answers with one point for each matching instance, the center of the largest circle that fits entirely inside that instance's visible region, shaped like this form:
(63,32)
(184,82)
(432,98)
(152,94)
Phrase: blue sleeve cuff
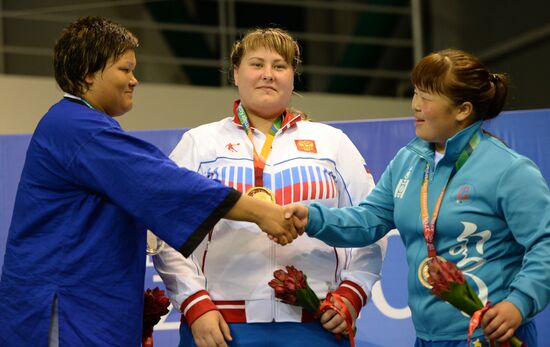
(523,302)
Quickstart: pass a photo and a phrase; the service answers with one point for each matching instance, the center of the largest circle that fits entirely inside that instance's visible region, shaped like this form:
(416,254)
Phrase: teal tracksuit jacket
(494,223)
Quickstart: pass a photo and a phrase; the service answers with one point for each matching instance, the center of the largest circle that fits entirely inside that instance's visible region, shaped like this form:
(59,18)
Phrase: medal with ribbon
(259,191)
(429,225)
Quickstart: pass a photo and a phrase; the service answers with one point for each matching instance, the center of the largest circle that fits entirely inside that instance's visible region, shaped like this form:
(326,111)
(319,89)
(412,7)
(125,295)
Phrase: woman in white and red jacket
(226,278)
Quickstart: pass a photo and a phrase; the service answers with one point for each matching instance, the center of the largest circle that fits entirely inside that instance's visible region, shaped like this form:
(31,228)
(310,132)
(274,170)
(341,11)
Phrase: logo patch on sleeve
(306,146)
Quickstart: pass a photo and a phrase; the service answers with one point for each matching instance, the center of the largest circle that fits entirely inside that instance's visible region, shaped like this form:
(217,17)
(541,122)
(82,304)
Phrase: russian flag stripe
(278,187)
(287,188)
(232,176)
(320,183)
(289,185)
(267,181)
(249,176)
(239,182)
(305,183)
(296,186)
(223,179)
(313,184)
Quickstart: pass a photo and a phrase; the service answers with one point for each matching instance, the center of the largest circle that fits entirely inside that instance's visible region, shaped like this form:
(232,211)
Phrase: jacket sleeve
(524,198)
(183,278)
(355,226)
(185,154)
(185,283)
(178,205)
(363,265)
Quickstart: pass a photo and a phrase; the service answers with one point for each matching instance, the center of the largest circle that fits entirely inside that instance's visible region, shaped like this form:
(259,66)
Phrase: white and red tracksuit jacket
(231,268)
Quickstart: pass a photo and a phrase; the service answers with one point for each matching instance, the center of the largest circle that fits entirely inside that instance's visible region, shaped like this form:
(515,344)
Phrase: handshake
(284,223)
(281,223)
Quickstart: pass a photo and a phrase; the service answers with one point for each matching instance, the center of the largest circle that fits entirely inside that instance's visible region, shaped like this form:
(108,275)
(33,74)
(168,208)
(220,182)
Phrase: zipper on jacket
(273,301)
(336,267)
(432,172)
(272,249)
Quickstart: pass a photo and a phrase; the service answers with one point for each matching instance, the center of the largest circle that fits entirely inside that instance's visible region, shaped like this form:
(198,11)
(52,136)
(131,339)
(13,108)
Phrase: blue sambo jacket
(88,193)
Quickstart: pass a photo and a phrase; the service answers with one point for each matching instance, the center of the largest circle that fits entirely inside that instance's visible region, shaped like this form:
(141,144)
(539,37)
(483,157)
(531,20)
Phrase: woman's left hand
(335,323)
(501,321)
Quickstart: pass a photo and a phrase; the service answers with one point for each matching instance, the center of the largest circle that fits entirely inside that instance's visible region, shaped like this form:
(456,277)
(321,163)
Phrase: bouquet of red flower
(448,284)
(154,307)
(291,287)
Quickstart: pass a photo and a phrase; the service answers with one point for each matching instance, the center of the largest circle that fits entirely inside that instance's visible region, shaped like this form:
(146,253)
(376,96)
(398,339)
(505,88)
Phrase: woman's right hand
(501,321)
(299,214)
(211,330)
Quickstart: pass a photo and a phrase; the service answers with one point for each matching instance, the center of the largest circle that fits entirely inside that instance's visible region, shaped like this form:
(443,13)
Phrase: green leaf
(460,296)
(315,302)
(515,342)
(473,295)
(307,299)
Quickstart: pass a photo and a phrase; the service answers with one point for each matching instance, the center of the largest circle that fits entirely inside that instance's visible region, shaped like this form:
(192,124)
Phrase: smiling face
(437,119)
(265,82)
(111,90)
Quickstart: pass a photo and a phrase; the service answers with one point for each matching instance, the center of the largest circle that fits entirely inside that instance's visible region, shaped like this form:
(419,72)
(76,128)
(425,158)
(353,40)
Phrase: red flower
(448,284)
(155,305)
(291,287)
(442,274)
(280,275)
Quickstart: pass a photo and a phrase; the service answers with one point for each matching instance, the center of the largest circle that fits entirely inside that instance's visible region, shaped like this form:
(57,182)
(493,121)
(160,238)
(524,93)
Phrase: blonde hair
(275,39)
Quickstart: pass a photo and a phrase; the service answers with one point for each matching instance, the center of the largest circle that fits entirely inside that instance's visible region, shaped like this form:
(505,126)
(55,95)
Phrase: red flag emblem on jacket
(306,146)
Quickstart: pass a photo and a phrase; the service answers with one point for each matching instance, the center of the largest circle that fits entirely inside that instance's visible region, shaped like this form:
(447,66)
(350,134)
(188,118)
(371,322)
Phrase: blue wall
(386,320)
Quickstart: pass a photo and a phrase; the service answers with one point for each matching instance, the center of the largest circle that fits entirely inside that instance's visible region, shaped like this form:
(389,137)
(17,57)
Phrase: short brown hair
(461,77)
(276,39)
(85,47)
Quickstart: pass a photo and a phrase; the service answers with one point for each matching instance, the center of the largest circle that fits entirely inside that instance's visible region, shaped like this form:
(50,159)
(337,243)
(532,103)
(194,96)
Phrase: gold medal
(261,193)
(423,273)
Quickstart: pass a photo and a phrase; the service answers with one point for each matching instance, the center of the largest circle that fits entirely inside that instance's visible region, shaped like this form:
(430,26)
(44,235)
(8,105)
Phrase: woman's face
(265,82)
(111,90)
(437,119)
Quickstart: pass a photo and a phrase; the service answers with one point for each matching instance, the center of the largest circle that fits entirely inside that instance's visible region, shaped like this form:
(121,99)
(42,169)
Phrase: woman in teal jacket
(493,219)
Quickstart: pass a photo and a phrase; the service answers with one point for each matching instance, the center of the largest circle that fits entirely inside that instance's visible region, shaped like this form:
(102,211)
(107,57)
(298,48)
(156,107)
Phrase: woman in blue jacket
(459,193)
